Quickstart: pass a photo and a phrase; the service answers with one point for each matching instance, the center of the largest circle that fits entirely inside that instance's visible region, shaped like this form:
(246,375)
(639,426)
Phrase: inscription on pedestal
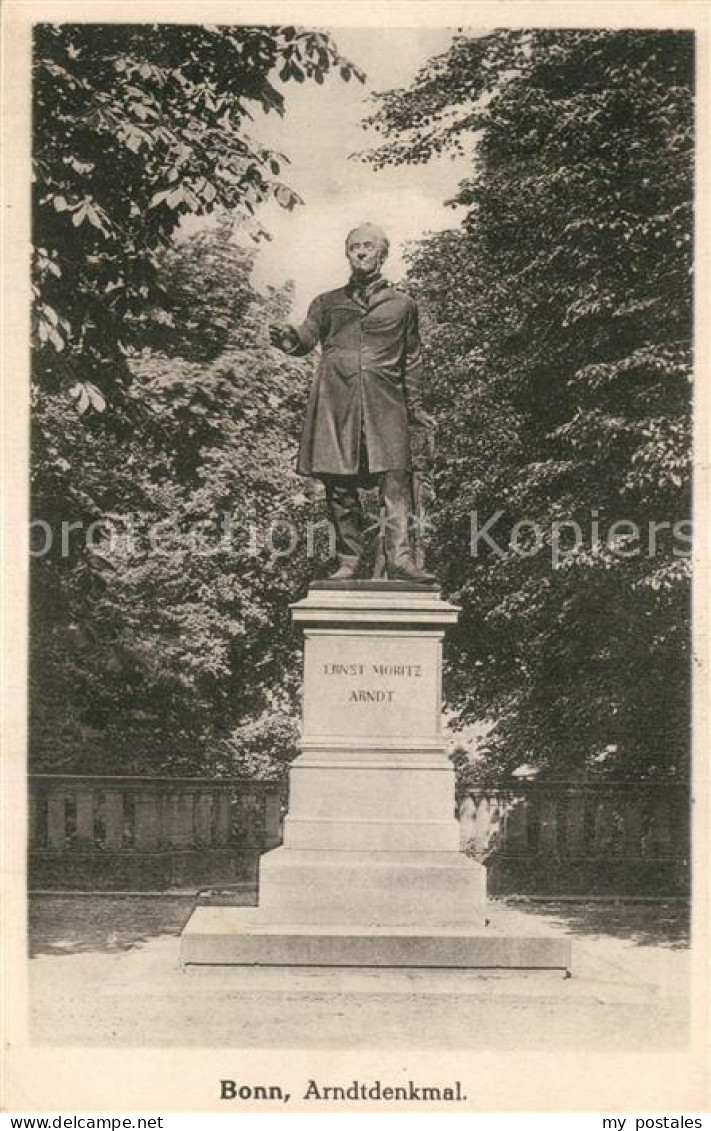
(349,690)
(373,673)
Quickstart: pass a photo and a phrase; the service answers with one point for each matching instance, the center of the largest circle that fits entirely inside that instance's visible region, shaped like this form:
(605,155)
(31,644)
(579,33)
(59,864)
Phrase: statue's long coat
(368,380)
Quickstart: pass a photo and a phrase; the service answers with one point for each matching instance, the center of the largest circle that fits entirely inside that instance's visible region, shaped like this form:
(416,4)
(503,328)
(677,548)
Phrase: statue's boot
(396,497)
(346,516)
(346,569)
(408,571)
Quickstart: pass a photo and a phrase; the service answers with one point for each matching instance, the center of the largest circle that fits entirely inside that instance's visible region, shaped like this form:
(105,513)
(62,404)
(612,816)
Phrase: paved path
(107,972)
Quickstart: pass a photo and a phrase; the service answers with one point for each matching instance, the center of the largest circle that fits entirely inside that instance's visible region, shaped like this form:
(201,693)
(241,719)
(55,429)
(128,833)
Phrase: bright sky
(319,131)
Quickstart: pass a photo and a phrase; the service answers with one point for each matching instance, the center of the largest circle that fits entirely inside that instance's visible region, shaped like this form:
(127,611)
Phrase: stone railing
(132,833)
(137,833)
(571,838)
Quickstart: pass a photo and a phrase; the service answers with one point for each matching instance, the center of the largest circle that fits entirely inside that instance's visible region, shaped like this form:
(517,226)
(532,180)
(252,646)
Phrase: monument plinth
(369,872)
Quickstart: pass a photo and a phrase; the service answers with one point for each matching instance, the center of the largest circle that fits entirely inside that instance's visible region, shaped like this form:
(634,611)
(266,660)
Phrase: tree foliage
(136,127)
(161,624)
(164,425)
(559,325)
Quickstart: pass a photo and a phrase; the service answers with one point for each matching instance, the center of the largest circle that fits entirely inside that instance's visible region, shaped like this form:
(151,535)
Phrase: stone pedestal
(370,871)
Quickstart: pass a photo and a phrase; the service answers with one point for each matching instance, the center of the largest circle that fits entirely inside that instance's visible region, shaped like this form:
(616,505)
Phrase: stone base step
(239,936)
(299,886)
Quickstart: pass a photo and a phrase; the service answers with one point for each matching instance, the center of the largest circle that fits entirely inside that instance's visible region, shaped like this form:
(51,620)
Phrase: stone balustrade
(133,833)
(580,838)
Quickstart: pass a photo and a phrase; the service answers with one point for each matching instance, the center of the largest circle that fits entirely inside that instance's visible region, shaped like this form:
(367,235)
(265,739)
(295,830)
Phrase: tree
(156,397)
(560,370)
(161,634)
(137,126)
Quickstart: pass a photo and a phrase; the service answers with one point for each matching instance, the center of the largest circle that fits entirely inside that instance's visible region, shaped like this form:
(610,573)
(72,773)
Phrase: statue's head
(367,248)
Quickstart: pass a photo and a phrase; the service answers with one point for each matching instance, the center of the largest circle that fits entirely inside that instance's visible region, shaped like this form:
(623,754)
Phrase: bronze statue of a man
(365,400)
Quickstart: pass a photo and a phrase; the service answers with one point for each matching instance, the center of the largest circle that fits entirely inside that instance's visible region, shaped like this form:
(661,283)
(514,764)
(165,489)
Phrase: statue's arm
(414,369)
(300,340)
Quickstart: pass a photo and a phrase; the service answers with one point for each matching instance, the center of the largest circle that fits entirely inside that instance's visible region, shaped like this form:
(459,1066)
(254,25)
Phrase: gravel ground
(106,971)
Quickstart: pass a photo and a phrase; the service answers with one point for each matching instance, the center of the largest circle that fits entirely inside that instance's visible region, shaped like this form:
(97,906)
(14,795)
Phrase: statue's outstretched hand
(420,418)
(283,337)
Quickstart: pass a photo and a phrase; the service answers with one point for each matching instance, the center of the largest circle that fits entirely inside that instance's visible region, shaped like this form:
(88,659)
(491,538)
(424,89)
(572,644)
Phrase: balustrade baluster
(147,821)
(468,809)
(113,818)
(250,832)
(202,814)
(272,819)
(548,825)
(56,820)
(661,818)
(604,827)
(632,813)
(85,816)
(223,818)
(33,819)
(575,825)
(183,832)
(515,838)
(170,817)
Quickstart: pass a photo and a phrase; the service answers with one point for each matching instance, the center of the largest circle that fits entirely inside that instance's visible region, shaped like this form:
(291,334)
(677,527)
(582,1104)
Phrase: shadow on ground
(83,923)
(657,923)
(80,923)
